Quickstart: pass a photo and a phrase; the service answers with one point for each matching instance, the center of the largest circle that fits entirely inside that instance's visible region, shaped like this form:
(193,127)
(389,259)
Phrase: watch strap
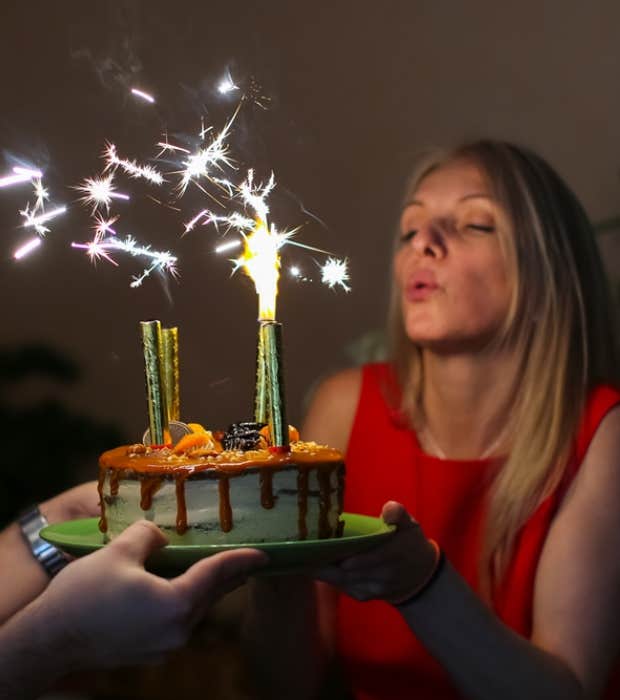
(31,522)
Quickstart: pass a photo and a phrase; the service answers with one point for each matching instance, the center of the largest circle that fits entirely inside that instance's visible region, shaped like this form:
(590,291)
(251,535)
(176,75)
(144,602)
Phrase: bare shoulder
(598,479)
(332,409)
(576,601)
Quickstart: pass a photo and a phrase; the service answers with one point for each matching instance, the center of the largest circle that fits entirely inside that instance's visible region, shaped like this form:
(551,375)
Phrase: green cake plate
(361,532)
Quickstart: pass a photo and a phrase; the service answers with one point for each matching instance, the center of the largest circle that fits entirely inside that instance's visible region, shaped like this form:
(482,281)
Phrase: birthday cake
(220,488)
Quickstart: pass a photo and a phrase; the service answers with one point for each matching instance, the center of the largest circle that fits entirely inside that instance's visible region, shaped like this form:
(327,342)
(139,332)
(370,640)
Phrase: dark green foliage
(46,447)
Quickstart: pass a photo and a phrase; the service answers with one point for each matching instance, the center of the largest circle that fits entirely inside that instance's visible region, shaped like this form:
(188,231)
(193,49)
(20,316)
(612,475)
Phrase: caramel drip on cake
(114,482)
(226,521)
(149,486)
(266,488)
(324,503)
(103,522)
(181,505)
(302,502)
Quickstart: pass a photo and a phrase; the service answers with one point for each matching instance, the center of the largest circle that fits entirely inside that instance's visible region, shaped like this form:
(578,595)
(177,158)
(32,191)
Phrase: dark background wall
(356,88)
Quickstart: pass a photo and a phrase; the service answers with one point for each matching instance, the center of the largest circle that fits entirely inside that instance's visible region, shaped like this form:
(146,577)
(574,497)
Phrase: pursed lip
(421,285)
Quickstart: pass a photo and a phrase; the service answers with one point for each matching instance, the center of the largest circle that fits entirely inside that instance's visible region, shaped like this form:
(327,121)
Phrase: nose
(429,240)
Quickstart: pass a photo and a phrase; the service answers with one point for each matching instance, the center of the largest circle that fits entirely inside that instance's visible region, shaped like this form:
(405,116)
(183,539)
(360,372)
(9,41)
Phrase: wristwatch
(31,523)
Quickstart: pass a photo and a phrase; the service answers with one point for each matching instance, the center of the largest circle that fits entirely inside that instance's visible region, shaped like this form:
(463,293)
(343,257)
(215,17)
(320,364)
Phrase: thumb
(211,577)
(394,513)
(138,541)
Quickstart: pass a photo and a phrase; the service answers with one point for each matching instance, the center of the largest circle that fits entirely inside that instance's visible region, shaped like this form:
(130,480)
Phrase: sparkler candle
(270,383)
(170,338)
(261,394)
(261,261)
(155,387)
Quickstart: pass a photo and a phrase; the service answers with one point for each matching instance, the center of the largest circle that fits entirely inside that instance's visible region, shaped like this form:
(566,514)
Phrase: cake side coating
(226,497)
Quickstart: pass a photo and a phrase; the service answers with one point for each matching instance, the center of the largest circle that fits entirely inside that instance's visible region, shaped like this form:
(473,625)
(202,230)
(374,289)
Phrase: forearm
(282,639)
(23,578)
(29,658)
(485,659)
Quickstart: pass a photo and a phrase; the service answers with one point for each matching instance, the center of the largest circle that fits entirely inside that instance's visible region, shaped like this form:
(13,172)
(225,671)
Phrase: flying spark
(146,172)
(36,221)
(99,191)
(27,248)
(30,172)
(227,84)
(165,146)
(41,194)
(201,163)
(162,261)
(334,272)
(15,179)
(231,245)
(143,95)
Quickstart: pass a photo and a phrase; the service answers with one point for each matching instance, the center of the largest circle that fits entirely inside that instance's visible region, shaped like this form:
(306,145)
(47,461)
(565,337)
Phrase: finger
(394,513)
(205,577)
(138,541)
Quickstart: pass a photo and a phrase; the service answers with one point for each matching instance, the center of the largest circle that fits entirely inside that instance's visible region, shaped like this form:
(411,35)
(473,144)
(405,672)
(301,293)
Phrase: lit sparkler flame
(261,255)
(262,244)
(261,261)
(146,172)
(99,191)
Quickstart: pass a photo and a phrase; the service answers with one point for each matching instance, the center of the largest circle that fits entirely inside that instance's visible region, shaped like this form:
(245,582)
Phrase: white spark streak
(228,246)
(143,95)
(165,146)
(41,194)
(256,196)
(202,162)
(15,179)
(147,172)
(190,224)
(237,221)
(103,226)
(31,172)
(27,248)
(160,260)
(335,272)
(227,84)
(99,191)
(36,221)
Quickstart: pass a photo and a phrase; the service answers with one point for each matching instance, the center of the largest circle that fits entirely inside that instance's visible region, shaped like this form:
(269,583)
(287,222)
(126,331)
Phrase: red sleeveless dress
(382,657)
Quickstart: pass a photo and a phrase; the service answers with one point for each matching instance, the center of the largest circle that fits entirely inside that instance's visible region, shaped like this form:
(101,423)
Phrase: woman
(497,428)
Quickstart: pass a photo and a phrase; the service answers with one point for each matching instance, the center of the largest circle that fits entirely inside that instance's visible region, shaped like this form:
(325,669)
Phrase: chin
(449,343)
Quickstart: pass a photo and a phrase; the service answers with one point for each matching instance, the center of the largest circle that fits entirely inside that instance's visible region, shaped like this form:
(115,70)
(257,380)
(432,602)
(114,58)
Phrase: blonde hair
(559,325)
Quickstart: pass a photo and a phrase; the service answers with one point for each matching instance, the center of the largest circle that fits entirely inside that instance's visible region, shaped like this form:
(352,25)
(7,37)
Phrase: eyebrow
(474,195)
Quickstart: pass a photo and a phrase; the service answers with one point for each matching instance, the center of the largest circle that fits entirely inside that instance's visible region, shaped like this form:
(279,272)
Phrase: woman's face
(449,268)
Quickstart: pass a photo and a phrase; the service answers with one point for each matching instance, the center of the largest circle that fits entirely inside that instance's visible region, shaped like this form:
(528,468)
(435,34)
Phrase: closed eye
(480,227)
(406,237)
